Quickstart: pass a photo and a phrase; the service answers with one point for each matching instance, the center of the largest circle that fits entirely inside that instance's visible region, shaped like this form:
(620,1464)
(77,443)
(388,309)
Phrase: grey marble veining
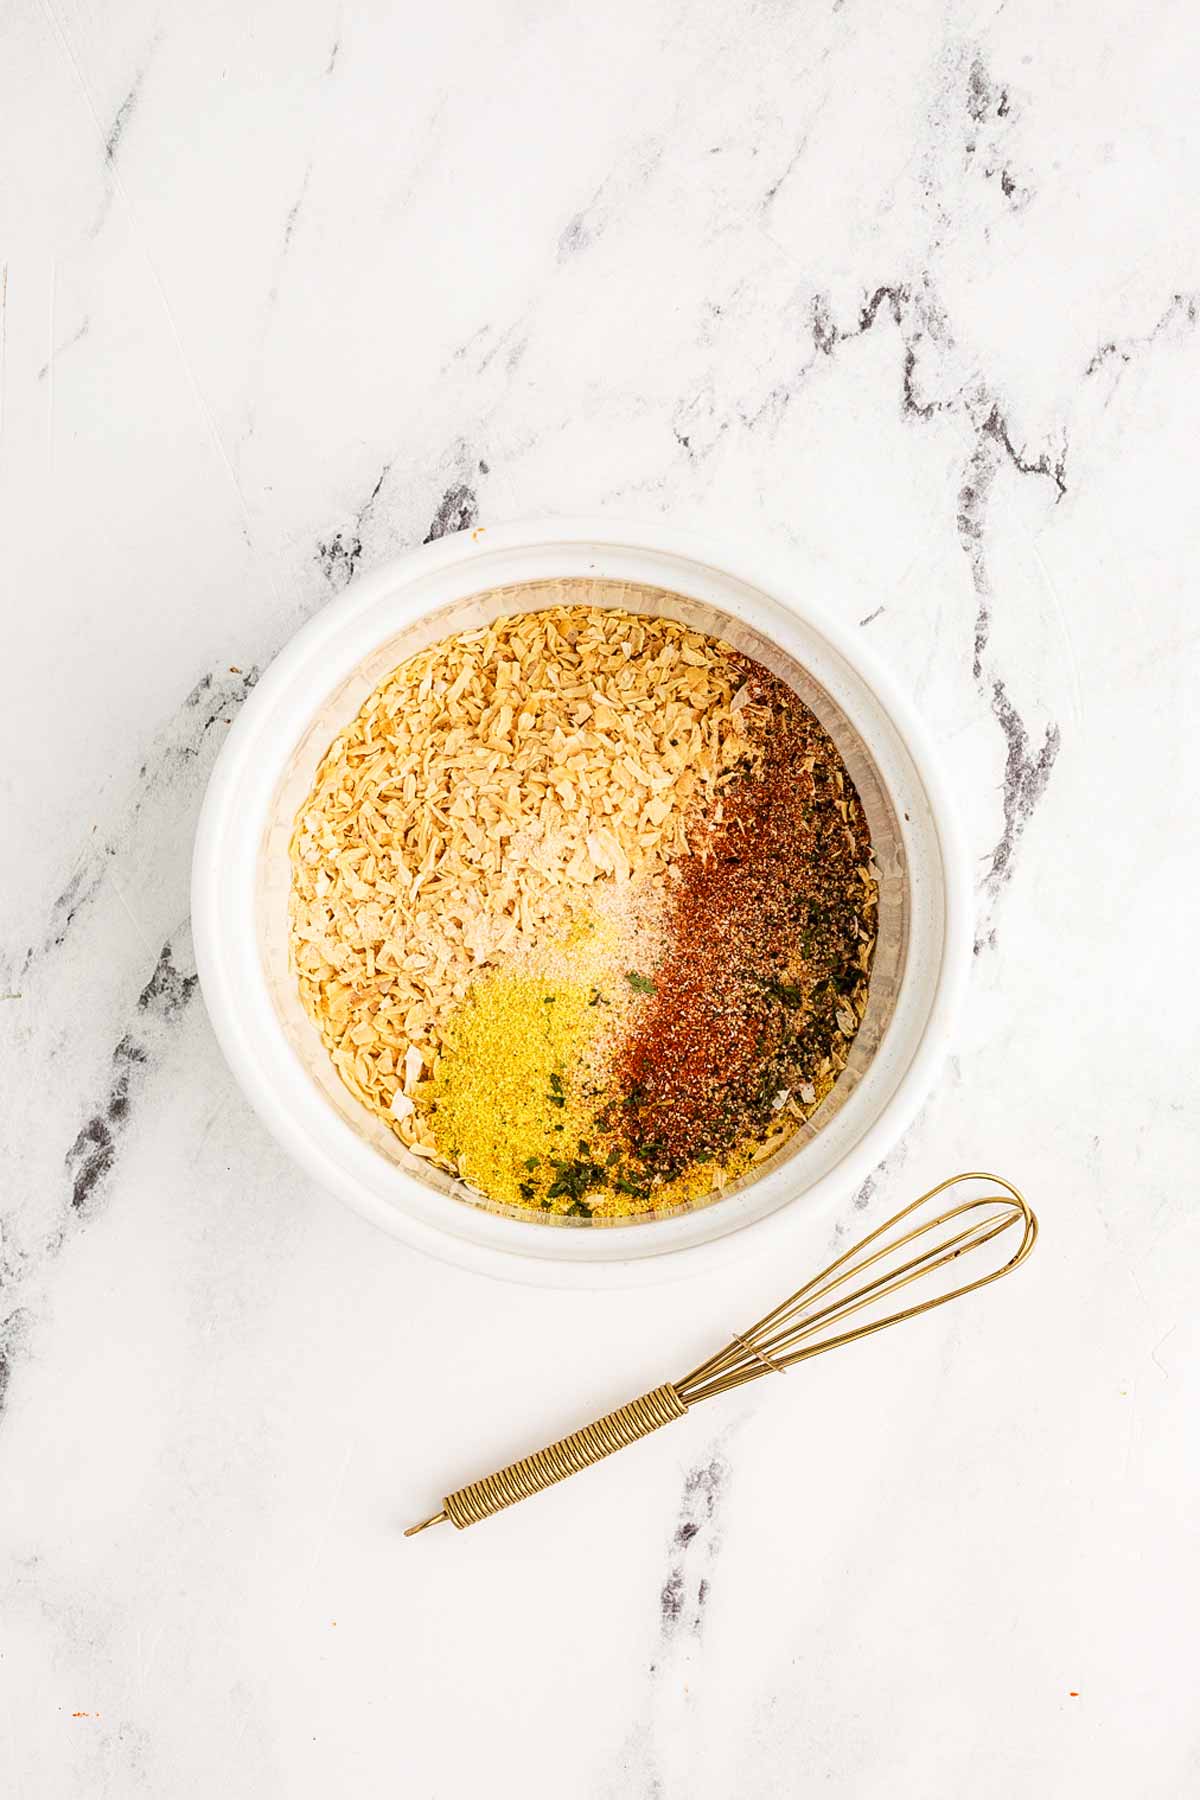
(912,291)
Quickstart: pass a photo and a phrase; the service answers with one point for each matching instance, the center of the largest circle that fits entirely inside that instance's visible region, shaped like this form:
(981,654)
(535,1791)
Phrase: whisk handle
(480,1499)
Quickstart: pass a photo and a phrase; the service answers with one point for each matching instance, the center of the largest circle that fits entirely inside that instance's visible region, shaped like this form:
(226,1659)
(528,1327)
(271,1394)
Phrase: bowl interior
(884,814)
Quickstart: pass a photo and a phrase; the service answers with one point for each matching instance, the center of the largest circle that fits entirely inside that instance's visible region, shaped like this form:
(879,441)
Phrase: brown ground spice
(770,927)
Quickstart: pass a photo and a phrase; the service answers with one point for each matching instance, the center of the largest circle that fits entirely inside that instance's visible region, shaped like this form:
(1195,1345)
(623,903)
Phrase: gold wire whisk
(804,1325)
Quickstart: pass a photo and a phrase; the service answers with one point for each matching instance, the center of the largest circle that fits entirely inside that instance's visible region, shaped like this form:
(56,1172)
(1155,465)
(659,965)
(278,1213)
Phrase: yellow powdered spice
(522,1074)
(505,1085)
(514,1097)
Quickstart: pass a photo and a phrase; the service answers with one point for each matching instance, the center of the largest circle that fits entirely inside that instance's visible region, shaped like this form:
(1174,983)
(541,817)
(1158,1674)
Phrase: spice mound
(583,908)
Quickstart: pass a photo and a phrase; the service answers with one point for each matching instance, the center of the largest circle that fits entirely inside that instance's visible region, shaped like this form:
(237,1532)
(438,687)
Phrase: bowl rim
(773,574)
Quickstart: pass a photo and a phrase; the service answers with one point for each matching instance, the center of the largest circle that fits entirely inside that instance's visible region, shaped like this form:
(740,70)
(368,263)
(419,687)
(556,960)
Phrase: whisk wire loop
(931,1258)
(783,1335)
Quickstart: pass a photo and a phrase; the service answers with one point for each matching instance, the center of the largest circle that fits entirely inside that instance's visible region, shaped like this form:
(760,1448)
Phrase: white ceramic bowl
(768,607)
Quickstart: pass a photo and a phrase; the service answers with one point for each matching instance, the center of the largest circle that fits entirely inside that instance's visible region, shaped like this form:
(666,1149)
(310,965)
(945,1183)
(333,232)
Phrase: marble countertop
(911,290)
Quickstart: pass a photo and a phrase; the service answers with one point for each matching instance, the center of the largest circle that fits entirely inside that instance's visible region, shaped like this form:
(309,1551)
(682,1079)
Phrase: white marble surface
(285,288)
